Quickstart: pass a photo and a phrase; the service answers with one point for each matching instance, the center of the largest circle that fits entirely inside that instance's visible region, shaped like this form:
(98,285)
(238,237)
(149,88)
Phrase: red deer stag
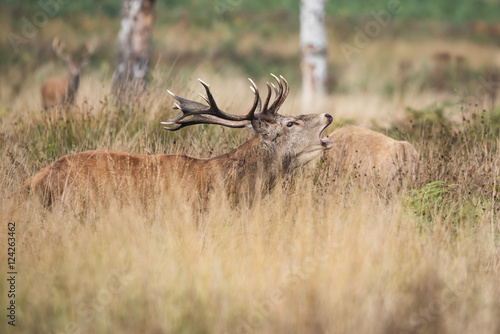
(280,144)
(371,158)
(63,90)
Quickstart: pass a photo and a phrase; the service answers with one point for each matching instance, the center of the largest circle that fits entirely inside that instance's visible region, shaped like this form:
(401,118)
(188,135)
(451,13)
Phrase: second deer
(62,90)
(371,158)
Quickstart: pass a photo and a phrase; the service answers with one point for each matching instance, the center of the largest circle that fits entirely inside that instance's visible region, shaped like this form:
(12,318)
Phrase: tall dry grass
(313,256)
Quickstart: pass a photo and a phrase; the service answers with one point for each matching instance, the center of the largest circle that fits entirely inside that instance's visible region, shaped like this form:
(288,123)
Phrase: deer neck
(256,161)
(73,83)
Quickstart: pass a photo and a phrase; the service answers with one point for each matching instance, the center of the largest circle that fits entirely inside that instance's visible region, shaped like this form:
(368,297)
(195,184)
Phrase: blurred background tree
(313,44)
(133,53)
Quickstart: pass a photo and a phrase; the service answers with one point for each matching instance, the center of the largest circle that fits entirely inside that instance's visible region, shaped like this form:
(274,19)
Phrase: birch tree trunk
(130,77)
(314,46)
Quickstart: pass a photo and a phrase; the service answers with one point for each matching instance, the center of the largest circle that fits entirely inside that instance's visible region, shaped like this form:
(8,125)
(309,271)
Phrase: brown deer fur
(371,157)
(280,144)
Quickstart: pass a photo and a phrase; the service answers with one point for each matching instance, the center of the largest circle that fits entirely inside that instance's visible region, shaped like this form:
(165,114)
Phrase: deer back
(91,173)
(371,157)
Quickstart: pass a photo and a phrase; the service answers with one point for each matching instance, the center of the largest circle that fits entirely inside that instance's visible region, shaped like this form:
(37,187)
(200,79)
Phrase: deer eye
(290,124)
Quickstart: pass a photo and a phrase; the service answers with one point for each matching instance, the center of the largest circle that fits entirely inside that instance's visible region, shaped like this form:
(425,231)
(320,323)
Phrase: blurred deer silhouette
(62,90)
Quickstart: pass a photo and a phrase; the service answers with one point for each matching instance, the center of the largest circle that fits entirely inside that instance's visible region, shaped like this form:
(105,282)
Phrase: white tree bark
(134,48)
(313,44)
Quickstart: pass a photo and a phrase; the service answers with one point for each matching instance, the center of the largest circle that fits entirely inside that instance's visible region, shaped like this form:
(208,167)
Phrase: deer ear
(265,129)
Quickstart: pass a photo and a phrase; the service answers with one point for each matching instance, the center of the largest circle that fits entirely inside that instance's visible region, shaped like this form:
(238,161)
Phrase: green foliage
(440,201)
(453,11)
(459,172)
(204,12)
(428,201)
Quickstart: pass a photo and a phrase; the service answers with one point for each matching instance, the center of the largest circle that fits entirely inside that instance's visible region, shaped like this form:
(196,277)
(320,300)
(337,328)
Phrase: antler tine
(204,97)
(173,128)
(256,101)
(255,90)
(268,97)
(285,93)
(177,118)
(173,95)
(210,99)
(277,100)
(275,89)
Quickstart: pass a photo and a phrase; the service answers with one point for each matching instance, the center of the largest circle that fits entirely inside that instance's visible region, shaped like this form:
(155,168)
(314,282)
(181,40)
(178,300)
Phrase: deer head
(74,66)
(295,139)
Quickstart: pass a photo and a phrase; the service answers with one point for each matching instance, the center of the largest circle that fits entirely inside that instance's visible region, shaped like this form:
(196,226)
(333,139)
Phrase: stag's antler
(193,112)
(269,113)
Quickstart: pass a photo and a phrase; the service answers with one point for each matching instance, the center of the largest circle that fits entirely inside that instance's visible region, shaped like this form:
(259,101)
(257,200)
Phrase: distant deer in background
(371,158)
(280,145)
(63,90)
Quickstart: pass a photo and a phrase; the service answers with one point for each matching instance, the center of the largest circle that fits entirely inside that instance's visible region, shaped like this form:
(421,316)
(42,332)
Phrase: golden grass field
(316,255)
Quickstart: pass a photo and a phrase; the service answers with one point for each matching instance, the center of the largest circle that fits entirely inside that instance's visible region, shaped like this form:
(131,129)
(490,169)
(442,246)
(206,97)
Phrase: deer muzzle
(327,144)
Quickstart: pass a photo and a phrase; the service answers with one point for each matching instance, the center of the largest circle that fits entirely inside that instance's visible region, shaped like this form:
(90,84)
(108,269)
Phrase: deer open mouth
(324,141)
